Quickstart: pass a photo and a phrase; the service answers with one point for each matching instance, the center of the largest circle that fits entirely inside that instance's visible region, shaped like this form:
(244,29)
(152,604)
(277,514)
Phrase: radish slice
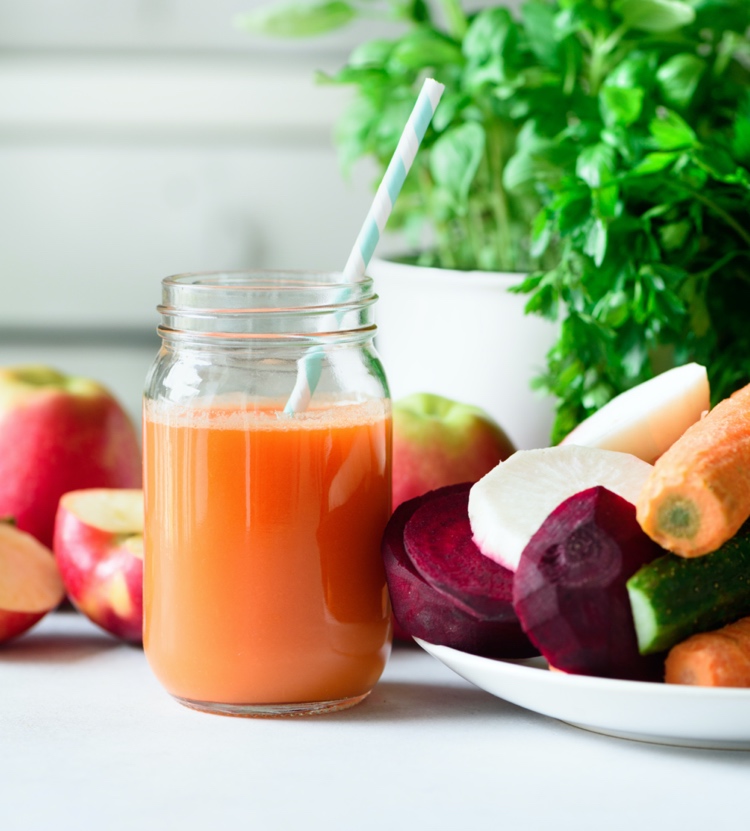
(647,419)
(29,579)
(508,505)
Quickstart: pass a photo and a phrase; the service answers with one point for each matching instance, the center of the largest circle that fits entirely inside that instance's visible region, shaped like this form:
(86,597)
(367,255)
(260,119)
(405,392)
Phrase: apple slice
(99,549)
(30,584)
(649,418)
(508,505)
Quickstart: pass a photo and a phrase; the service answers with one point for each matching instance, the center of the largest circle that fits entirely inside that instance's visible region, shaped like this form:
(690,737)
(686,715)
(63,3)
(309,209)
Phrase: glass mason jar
(267,469)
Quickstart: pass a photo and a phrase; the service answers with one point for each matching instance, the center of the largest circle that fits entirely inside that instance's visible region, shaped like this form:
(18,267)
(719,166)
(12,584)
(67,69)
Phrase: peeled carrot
(698,494)
(712,659)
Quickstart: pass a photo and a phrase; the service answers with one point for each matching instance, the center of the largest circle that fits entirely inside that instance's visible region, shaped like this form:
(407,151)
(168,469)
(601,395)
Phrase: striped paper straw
(309,365)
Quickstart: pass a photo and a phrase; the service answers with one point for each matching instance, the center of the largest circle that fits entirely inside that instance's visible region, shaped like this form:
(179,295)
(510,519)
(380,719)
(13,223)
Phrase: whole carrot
(698,494)
(712,659)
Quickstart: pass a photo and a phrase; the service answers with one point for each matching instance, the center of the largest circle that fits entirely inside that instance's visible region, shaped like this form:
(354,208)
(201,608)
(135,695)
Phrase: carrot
(712,659)
(698,494)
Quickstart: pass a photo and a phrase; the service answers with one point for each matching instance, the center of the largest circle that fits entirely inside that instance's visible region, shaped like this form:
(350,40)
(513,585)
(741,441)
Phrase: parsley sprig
(604,145)
(646,187)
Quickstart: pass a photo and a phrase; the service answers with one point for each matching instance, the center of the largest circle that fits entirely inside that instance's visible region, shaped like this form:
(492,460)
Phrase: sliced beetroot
(423,612)
(398,557)
(438,541)
(569,590)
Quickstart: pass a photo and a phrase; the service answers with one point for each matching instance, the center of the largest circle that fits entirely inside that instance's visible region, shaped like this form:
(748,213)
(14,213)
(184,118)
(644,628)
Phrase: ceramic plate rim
(642,710)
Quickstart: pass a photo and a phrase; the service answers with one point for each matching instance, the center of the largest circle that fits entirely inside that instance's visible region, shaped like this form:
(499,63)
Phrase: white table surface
(89,740)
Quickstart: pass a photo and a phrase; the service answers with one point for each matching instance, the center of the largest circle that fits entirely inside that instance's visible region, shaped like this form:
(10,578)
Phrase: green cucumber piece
(675,597)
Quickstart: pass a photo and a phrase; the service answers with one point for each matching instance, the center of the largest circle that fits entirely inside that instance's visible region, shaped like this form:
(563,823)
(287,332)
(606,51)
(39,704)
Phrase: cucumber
(674,597)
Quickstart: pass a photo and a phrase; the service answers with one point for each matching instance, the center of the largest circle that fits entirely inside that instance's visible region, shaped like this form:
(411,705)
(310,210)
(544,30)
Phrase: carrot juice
(264,587)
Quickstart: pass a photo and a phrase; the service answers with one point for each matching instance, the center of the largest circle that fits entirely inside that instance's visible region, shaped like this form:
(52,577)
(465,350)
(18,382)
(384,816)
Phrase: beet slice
(438,541)
(423,612)
(569,590)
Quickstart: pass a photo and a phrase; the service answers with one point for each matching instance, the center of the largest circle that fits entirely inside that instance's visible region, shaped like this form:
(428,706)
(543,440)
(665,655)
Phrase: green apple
(437,442)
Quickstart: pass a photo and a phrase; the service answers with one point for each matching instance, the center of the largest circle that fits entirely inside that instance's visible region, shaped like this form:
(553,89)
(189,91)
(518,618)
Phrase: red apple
(99,550)
(30,584)
(438,442)
(59,433)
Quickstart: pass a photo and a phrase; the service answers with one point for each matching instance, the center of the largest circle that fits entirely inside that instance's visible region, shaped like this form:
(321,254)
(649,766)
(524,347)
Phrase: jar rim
(249,279)
(266,302)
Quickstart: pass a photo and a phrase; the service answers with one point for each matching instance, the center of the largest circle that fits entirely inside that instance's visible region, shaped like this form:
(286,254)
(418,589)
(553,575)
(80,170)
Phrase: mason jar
(267,471)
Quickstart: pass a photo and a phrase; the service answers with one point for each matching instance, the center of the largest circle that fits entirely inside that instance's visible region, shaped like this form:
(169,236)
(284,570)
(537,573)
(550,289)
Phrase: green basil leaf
(655,15)
(577,15)
(620,105)
(741,139)
(541,233)
(373,53)
(492,72)
(447,113)
(674,234)
(455,159)
(595,164)
(543,302)
(733,46)
(539,21)
(679,77)
(527,166)
(424,48)
(533,160)
(700,319)
(671,132)
(720,165)
(654,163)
(490,47)
(573,210)
(487,34)
(365,77)
(413,10)
(298,19)
(355,131)
(613,309)
(596,242)
(607,201)
(637,69)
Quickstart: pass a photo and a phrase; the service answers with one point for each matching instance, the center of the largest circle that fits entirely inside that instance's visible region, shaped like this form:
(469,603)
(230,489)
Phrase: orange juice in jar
(264,590)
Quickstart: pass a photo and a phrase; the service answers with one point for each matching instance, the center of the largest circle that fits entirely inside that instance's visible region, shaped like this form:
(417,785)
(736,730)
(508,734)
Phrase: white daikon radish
(509,504)
(649,418)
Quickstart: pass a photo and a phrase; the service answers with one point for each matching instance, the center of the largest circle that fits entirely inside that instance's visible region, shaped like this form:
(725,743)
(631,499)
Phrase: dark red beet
(423,612)
(569,589)
(438,541)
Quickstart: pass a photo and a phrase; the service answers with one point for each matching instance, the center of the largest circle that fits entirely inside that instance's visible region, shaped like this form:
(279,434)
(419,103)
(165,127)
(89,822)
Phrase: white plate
(661,713)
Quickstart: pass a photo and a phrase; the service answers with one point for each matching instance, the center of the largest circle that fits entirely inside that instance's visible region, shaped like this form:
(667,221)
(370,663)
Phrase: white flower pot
(465,336)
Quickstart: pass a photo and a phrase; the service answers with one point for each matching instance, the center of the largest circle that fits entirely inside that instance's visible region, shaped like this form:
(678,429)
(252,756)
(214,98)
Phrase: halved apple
(98,546)
(30,583)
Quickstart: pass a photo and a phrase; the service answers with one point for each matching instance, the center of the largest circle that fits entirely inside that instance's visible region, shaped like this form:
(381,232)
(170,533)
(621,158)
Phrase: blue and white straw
(309,366)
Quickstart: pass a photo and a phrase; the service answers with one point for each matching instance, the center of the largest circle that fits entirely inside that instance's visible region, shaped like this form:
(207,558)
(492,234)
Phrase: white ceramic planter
(465,336)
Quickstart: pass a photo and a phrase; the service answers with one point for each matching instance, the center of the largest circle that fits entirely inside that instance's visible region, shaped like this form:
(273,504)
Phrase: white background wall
(141,138)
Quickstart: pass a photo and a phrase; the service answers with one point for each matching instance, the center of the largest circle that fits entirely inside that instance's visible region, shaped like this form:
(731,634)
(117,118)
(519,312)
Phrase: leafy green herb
(454,205)
(602,144)
(649,199)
